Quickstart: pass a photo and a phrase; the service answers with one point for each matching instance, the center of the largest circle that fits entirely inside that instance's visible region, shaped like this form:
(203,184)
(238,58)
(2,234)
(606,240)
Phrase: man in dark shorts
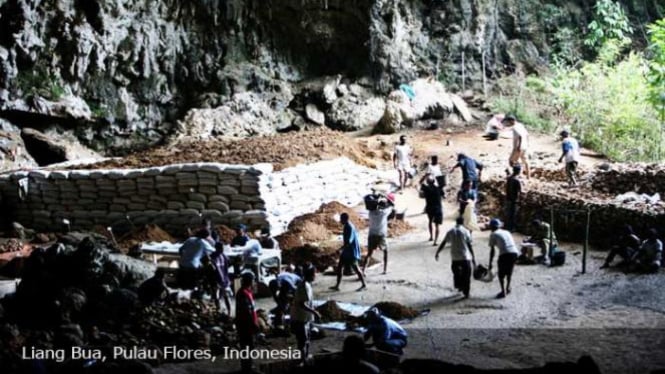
(378,230)
(513,197)
(461,254)
(350,252)
(508,253)
(433,207)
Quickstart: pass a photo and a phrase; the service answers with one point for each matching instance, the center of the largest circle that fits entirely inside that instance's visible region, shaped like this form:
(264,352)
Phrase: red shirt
(246,319)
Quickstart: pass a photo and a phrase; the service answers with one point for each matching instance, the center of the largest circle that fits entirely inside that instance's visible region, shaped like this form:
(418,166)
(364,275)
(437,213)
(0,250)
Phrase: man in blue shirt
(241,237)
(191,253)
(387,334)
(471,169)
(350,252)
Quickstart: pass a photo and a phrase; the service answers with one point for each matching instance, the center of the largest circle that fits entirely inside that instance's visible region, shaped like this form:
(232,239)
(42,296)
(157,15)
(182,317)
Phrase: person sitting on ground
(402,161)
(220,278)
(507,255)
(627,244)
(433,207)
(571,152)
(283,288)
(303,312)
(192,252)
(541,232)
(461,253)
(350,252)
(378,230)
(153,289)
(493,127)
(647,259)
(465,195)
(266,240)
(387,335)
(434,170)
(241,237)
(471,169)
(354,356)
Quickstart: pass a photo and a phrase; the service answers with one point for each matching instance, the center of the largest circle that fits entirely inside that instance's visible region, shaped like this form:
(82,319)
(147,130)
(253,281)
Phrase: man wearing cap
(433,207)
(520,150)
(570,149)
(191,253)
(402,160)
(378,230)
(247,322)
(387,335)
(241,237)
(507,255)
(461,253)
(471,169)
(350,252)
(513,197)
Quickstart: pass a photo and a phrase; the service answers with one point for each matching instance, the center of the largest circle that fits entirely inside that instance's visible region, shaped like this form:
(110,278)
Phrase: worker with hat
(570,151)
(378,229)
(520,150)
(247,322)
(387,335)
(508,253)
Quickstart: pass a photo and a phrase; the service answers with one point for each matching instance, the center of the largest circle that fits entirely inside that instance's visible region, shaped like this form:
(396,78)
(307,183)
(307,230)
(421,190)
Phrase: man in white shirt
(402,161)
(570,150)
(461,253)
(520,150)
(378,230)
(507,254)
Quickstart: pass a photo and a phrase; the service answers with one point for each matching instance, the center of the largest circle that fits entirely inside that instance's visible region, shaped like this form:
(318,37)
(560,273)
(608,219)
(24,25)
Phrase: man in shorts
(520,150)
(433,207)
(570,151)
(378,230)
(507,255)
(350,252)
(402,161)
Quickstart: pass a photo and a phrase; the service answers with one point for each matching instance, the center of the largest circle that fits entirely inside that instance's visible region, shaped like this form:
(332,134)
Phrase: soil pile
(331,312)
(226,234)
(320,257)
(398,227)
(147,233)
(396,311)
(281,150)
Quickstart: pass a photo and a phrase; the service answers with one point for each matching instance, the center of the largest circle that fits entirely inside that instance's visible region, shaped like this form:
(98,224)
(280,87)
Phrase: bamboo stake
(586,240)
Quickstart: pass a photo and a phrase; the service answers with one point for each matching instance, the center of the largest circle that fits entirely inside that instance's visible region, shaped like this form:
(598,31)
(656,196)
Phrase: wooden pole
(484,75)
(549,249)
(586,240)
(463,74)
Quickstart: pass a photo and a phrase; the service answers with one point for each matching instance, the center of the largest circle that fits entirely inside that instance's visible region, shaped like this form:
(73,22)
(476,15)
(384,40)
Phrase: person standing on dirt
(471,169)
(387,335)
(508,253)
(434,170)
(378,230)
(570,149)
(513,197)
(220,279)
(350,252)
(627,244)
(520,150)
(303,312)
(402,161)
(466,194)
(461,253)
(433,207)
(247,321)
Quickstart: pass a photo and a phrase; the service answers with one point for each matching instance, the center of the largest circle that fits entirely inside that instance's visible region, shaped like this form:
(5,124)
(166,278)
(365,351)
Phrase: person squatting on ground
(350,252)
(154,288)
(626,245)
(247,322)
(513,197)
(303,312)
(461,254)
(192,251)
(520,150)
(570,151)
(387,335)
(649,256)
(433,207)
(283,289)
(354,356)
(540,236)
(471,169)
(378,230)
(402,161)
(508,252)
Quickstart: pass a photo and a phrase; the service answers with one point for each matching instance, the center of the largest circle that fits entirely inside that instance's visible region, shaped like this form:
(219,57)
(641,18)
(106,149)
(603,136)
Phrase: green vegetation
(614,104)
(39,82)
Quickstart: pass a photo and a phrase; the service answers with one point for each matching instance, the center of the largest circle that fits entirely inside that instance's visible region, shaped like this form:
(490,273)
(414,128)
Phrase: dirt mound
(282,150)
(331,312)
(226,234)
(398,227)
(321,257)
(147,233)
(396,311)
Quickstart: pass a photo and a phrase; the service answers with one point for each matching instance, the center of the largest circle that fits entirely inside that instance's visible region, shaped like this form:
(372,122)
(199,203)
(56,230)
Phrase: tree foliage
(610,22)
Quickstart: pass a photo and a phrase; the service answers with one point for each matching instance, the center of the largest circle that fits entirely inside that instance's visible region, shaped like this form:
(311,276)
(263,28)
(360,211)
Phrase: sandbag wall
(607,217)
(174,197)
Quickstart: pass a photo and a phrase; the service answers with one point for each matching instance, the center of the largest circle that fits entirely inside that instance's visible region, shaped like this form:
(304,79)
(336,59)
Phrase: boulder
(350,114)
(314,114)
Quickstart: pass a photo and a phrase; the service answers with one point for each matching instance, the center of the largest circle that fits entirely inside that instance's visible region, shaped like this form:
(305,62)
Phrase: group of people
(642,256)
